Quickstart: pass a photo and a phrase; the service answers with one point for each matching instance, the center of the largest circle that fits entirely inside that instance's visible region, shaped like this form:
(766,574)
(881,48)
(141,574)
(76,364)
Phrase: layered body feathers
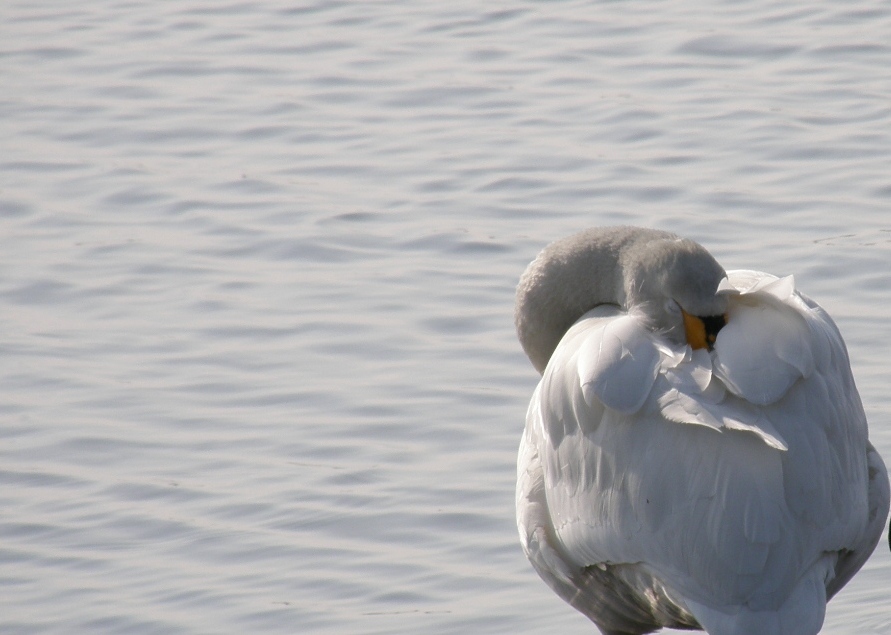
(730,488)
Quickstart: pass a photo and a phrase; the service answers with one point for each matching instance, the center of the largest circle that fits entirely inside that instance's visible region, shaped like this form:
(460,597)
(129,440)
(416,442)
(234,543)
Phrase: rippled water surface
(257,271)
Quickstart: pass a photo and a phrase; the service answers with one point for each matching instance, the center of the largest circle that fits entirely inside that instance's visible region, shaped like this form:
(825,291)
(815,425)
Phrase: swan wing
(618,363)
(767,344)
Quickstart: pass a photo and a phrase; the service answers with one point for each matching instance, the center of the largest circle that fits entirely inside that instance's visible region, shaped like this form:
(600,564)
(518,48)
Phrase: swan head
(672,284)
(675,284)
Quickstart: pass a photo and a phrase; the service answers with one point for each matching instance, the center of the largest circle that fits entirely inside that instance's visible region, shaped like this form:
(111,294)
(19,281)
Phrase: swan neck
(569,278)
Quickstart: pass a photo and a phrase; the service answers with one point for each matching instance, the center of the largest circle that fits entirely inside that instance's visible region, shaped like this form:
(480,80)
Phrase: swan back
(729,487)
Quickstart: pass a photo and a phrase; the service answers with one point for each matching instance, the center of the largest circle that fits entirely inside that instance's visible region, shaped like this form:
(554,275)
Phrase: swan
(695,454)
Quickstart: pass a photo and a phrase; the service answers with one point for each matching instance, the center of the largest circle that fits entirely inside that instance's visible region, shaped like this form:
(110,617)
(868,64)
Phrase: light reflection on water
(258,270)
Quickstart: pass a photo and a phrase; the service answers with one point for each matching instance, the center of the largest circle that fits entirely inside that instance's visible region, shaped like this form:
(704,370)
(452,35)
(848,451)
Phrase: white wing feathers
(733,476)
(767,346)
(619,364)
(804,610)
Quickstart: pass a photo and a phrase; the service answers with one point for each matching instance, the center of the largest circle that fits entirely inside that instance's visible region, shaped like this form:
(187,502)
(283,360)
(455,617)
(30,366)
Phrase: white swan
(696,453)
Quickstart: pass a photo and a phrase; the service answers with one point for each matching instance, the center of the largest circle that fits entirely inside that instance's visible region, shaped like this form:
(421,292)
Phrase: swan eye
(672,307)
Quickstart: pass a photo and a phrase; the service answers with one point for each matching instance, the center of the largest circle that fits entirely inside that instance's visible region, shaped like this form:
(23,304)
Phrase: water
(257,275)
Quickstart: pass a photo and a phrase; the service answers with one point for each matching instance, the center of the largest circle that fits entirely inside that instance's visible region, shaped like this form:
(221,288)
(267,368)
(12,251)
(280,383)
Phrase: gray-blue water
(257,266)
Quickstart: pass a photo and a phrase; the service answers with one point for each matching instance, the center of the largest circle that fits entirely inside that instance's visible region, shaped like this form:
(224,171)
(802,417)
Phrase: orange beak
(698,336)
(695,330)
